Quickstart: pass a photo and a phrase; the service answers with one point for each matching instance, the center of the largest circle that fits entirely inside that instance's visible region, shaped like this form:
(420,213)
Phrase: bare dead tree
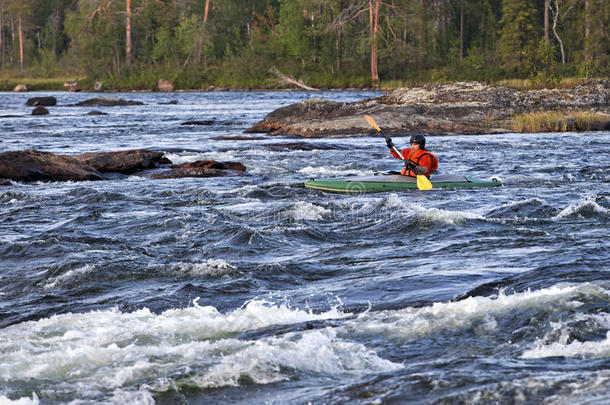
(555,11)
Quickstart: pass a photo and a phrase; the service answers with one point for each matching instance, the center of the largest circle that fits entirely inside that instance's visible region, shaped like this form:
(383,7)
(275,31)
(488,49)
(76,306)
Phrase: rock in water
(40,110)
(202,168)
(445,108)
(33,165)
(44,101)
(107,102)
(124,161)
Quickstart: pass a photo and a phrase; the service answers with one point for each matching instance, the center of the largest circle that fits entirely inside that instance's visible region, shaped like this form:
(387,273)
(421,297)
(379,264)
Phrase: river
(254,289)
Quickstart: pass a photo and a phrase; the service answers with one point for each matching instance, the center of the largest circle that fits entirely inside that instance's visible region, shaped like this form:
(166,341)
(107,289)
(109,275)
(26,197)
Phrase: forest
(130,44)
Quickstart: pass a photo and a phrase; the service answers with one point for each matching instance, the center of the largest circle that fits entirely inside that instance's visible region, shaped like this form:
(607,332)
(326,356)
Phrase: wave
(211,267)
(586,208)
(104,353)
(70,277)
(561,341)
(479,312)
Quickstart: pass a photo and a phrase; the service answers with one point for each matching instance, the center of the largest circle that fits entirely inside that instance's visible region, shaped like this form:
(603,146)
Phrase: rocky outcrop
(468,108)
(203,168)
(33,165)
(107,102)
(43,101)
(40,110)
(165,85)
(125,161)
(71,86)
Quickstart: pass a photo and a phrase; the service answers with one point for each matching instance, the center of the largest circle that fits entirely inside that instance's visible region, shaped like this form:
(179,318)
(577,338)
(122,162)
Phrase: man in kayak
(418,160)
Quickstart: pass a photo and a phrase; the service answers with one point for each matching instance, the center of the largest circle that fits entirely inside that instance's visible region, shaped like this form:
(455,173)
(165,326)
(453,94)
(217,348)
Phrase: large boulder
(165,85)
(33,165)
(202,168)
(5,182)
(124,161)
(107,102)
(463,107)
(21,88)
(71,86)
(43,101)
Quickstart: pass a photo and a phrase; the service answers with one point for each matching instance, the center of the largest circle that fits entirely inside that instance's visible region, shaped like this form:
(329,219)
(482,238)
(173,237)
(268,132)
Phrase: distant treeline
(324,43)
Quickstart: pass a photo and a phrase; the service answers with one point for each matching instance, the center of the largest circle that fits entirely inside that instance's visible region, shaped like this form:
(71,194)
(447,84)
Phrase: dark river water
(254,289)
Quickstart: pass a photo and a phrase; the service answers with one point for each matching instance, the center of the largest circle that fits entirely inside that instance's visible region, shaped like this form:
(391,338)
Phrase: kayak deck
(393,182)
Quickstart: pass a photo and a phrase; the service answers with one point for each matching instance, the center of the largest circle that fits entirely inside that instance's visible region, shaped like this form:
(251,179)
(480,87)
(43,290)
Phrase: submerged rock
(44,101)
(125,161)
(303,146)
(468,108)
(205,122)
(202,168)
(40,110)
(33,165)
(96,112)
(107,102)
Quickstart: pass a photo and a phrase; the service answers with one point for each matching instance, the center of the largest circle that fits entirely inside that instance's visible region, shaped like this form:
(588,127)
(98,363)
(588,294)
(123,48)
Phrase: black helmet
(419,139)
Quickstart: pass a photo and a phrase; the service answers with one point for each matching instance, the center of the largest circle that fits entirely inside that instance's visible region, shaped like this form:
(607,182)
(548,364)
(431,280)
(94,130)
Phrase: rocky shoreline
(447,108)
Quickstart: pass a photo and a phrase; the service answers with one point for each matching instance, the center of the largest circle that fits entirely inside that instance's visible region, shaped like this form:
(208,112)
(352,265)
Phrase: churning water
(253,289)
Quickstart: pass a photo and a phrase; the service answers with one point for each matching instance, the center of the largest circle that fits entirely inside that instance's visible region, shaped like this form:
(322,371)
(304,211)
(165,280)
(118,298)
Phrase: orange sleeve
(426,161)
(404,152)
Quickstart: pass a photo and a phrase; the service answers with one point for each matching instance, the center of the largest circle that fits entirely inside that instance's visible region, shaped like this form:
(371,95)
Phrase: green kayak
(393,182)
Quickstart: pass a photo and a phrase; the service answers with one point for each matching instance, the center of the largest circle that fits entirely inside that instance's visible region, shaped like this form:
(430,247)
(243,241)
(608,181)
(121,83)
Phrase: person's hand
(409,164)
(388,141)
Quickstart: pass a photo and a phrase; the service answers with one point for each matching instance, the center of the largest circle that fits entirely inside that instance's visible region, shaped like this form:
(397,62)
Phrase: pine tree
(518,36)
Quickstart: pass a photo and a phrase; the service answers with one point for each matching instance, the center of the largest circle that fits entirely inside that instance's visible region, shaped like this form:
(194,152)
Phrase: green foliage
(324,43)
(518,36)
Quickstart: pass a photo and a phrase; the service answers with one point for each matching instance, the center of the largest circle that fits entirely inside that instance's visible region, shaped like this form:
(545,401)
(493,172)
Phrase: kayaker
(418,160)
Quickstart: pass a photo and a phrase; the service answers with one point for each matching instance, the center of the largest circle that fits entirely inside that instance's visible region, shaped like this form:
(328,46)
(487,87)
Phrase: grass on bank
(556,121)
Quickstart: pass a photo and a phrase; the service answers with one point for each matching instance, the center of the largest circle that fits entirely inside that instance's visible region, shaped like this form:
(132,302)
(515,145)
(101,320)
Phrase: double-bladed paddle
(422,181)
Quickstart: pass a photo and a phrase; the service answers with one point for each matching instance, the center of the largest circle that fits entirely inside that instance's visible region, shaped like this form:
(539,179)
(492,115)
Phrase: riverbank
(77,83)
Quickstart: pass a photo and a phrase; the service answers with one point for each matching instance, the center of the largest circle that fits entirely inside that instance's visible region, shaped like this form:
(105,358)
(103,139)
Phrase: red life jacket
(422,157)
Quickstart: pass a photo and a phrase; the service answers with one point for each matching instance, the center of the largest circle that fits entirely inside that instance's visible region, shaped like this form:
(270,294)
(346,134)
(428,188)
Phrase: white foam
(211,267)
(557,342)
(600,349)
(21,401)
(328,171)
(307,211)
(319,352)
(470,312)
(586,207)
(125,357)
(70,276)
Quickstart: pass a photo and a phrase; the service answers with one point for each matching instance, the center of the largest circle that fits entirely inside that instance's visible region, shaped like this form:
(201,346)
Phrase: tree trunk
(461,30)
(206,12)
(587,27)
(555,18)
(547,4)
(128,45)
(2,31)
(374,20)
(20,32)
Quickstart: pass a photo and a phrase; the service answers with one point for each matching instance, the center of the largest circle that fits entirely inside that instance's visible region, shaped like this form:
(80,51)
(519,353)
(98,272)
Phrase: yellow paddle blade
(371,121)
(423,183)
